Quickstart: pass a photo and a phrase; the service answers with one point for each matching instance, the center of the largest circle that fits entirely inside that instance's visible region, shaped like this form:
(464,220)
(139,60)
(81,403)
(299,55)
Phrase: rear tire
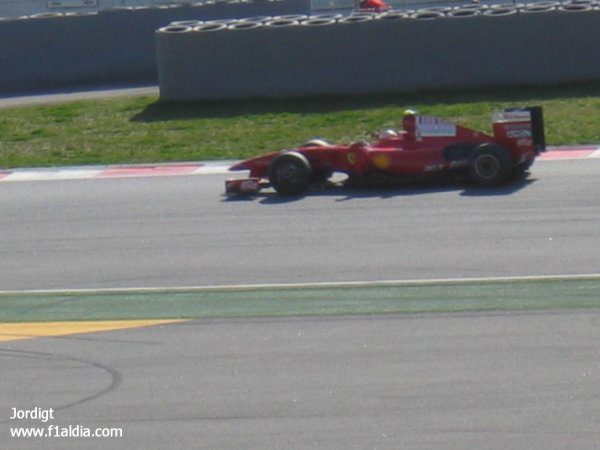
(290,173)
(489,165)
(521,171)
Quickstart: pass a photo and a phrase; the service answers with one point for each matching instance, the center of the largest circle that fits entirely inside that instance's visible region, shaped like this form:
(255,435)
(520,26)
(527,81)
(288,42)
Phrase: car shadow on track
(508,189)
(343,193)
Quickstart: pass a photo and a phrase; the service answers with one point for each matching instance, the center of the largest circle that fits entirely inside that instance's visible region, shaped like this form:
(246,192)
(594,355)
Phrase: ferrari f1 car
(425,146)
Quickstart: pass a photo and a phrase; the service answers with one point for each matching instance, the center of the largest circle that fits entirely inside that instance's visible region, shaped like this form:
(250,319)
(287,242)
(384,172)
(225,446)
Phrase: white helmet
(387,134)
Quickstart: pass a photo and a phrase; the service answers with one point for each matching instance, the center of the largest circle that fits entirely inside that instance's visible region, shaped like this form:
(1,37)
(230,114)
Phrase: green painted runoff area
(314,301)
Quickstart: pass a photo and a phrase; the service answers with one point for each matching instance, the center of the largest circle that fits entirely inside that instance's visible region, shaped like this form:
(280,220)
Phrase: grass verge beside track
(439,297)
(143,130)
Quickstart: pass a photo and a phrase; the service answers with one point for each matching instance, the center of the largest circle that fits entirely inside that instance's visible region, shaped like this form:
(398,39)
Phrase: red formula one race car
(425,146)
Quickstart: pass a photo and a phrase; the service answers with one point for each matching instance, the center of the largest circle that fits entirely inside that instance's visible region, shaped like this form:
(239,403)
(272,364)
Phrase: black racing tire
(521,171)
(489,165)
(290,174)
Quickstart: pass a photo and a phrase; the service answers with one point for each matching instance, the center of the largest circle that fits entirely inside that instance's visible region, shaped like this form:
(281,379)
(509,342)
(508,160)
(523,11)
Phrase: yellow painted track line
(29,330)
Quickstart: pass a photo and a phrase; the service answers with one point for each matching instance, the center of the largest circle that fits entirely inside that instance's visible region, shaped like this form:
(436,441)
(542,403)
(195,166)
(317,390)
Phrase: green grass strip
(315,301)
(144,130)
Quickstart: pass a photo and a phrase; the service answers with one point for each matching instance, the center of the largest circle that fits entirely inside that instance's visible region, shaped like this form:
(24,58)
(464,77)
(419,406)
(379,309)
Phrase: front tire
(316,143)
(489,165)
(290,173)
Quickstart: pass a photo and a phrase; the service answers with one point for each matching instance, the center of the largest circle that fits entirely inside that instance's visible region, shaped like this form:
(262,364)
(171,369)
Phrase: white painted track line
(320,285)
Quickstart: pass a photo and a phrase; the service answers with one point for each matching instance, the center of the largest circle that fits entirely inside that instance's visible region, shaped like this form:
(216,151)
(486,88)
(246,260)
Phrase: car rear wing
(523,126)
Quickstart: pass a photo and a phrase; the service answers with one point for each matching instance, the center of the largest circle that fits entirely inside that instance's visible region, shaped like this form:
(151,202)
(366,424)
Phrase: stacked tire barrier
(53,50)
(541,44)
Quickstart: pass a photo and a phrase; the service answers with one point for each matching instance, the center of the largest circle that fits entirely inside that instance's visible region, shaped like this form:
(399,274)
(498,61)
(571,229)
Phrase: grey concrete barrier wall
(110,47)
(389,53)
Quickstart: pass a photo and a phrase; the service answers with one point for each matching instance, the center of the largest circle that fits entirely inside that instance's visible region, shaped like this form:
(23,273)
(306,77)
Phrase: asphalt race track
(181,231)
(492,380)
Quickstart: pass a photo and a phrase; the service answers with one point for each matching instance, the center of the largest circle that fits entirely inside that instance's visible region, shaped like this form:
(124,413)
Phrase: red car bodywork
(425,145)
